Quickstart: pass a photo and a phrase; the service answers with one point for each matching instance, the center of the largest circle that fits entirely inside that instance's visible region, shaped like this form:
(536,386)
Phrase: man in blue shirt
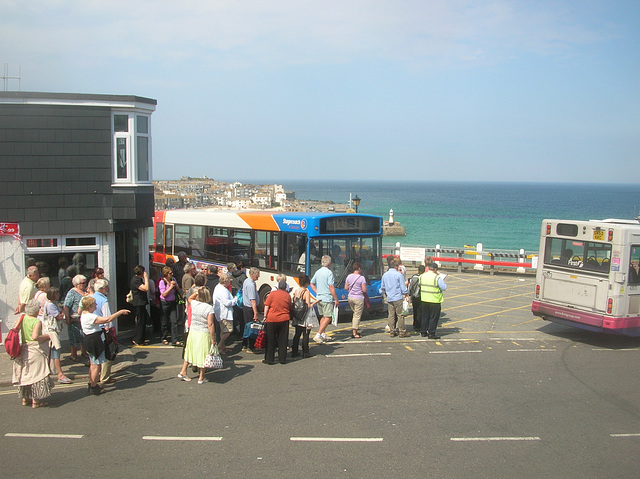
(393,286)
(250,301)
(322,284)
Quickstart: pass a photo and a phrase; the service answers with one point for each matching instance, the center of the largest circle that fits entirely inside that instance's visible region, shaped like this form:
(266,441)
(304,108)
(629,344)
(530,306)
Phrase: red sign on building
(9,229)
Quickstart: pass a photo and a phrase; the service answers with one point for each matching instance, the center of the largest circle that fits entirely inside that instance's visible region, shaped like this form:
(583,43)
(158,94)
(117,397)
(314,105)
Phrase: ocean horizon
(500,215)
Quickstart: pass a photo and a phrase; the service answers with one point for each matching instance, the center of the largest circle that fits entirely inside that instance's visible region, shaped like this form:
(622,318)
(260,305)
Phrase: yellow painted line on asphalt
(516,343)
(534,320)
(449,323)
(486,301)
(409,348)
(483,291)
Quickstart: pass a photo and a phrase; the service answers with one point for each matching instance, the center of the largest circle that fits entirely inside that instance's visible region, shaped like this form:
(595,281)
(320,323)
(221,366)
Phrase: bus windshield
(344,251)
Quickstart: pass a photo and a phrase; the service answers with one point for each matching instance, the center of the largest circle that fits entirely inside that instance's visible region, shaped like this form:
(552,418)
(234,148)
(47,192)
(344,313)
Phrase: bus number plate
(598,235)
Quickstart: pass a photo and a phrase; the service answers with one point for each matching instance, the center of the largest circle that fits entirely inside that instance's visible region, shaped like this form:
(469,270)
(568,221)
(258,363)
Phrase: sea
(501,216)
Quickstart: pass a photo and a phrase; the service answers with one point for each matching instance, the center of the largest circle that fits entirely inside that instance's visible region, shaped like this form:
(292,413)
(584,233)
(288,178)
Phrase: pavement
(477,306)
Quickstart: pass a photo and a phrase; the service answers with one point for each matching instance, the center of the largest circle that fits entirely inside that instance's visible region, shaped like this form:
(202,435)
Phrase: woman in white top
(94,339)
(223,303)
(201,334)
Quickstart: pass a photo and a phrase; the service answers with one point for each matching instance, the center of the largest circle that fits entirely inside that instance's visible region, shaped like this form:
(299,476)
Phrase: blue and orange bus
(275,242)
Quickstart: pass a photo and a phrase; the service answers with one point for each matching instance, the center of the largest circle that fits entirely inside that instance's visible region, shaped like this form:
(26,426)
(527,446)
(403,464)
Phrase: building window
(142,142)
(132,148)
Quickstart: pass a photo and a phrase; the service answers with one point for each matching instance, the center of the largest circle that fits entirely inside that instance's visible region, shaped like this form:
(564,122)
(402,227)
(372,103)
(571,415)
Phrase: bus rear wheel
(262,294)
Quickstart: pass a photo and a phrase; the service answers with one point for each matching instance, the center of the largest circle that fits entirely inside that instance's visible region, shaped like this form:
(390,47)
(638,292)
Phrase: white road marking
(455,352)
(625,435)
(357,355)
(337,439)
(46,436)
(181,438)
(471,439)
(528,350)
(613,349)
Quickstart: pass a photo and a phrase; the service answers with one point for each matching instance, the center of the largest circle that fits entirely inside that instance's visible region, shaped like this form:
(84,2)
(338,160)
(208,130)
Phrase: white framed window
(46,244)
(131,148)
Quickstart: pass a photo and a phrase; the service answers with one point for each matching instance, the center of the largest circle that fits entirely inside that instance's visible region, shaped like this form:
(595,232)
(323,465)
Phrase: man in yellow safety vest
(431,287)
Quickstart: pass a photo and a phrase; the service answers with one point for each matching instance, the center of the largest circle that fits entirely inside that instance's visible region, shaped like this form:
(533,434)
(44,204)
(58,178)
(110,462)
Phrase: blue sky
(352,89)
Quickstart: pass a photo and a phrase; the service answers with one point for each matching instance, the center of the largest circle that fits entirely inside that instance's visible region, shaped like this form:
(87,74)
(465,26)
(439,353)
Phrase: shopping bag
(406,305)
(213,359)
(334,316)
(311,319)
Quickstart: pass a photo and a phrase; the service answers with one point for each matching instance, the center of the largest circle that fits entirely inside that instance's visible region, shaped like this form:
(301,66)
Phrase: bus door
(574,273)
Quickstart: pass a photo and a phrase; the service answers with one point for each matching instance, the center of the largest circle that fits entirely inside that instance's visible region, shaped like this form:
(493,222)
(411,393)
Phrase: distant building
(75,179)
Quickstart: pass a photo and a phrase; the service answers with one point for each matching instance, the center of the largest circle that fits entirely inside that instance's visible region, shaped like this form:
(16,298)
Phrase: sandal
(64,380)
(355,334)
(164,341)
(36,405)
(184,378)
(26,402)
(178,344)
(75,359)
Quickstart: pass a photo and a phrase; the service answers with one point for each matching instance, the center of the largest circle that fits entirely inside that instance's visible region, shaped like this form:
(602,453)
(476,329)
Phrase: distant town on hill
(205,192)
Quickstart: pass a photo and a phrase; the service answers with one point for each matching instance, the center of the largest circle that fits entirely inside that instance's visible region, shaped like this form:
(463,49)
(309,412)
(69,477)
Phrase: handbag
(261,340)
(129,297)
(12,343)
(179,298)
(110,344)
(213,359)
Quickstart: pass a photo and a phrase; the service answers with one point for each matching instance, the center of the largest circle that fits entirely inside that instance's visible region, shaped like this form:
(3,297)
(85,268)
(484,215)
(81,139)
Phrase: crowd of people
(83,310)
(199,311)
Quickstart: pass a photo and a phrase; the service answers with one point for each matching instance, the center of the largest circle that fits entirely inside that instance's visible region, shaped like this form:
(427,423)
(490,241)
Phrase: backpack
(299,308)
(12,341)
(414,286)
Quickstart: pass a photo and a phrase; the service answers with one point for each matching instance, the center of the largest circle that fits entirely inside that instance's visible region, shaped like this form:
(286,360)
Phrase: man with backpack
(414,292)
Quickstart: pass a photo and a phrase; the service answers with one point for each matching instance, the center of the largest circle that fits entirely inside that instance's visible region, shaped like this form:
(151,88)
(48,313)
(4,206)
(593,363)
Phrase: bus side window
(168,239)
(160,237)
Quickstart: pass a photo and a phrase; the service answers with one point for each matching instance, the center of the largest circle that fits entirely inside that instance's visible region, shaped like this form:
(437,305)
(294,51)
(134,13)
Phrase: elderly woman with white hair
(72,315)
(31,369)
(223,303)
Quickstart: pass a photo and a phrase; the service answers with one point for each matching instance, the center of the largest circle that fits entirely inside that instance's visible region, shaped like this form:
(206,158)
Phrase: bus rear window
(579,255)
(566,229)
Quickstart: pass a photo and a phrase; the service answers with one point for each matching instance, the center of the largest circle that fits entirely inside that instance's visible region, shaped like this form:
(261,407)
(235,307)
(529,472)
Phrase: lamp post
(356,202)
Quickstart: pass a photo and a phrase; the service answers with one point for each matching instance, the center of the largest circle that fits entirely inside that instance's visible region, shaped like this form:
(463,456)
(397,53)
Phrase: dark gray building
(75,178)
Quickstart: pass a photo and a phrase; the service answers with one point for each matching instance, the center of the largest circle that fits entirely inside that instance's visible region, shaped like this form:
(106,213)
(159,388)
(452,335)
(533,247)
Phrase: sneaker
(319,339)
(387,328)
(404,335)
(327,338)
(393,334)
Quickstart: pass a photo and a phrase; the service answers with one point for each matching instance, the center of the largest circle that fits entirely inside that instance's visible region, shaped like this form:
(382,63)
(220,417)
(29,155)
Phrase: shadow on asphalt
(600,340)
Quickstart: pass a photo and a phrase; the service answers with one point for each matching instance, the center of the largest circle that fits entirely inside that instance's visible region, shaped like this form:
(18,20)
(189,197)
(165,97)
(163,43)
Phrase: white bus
(588,275)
